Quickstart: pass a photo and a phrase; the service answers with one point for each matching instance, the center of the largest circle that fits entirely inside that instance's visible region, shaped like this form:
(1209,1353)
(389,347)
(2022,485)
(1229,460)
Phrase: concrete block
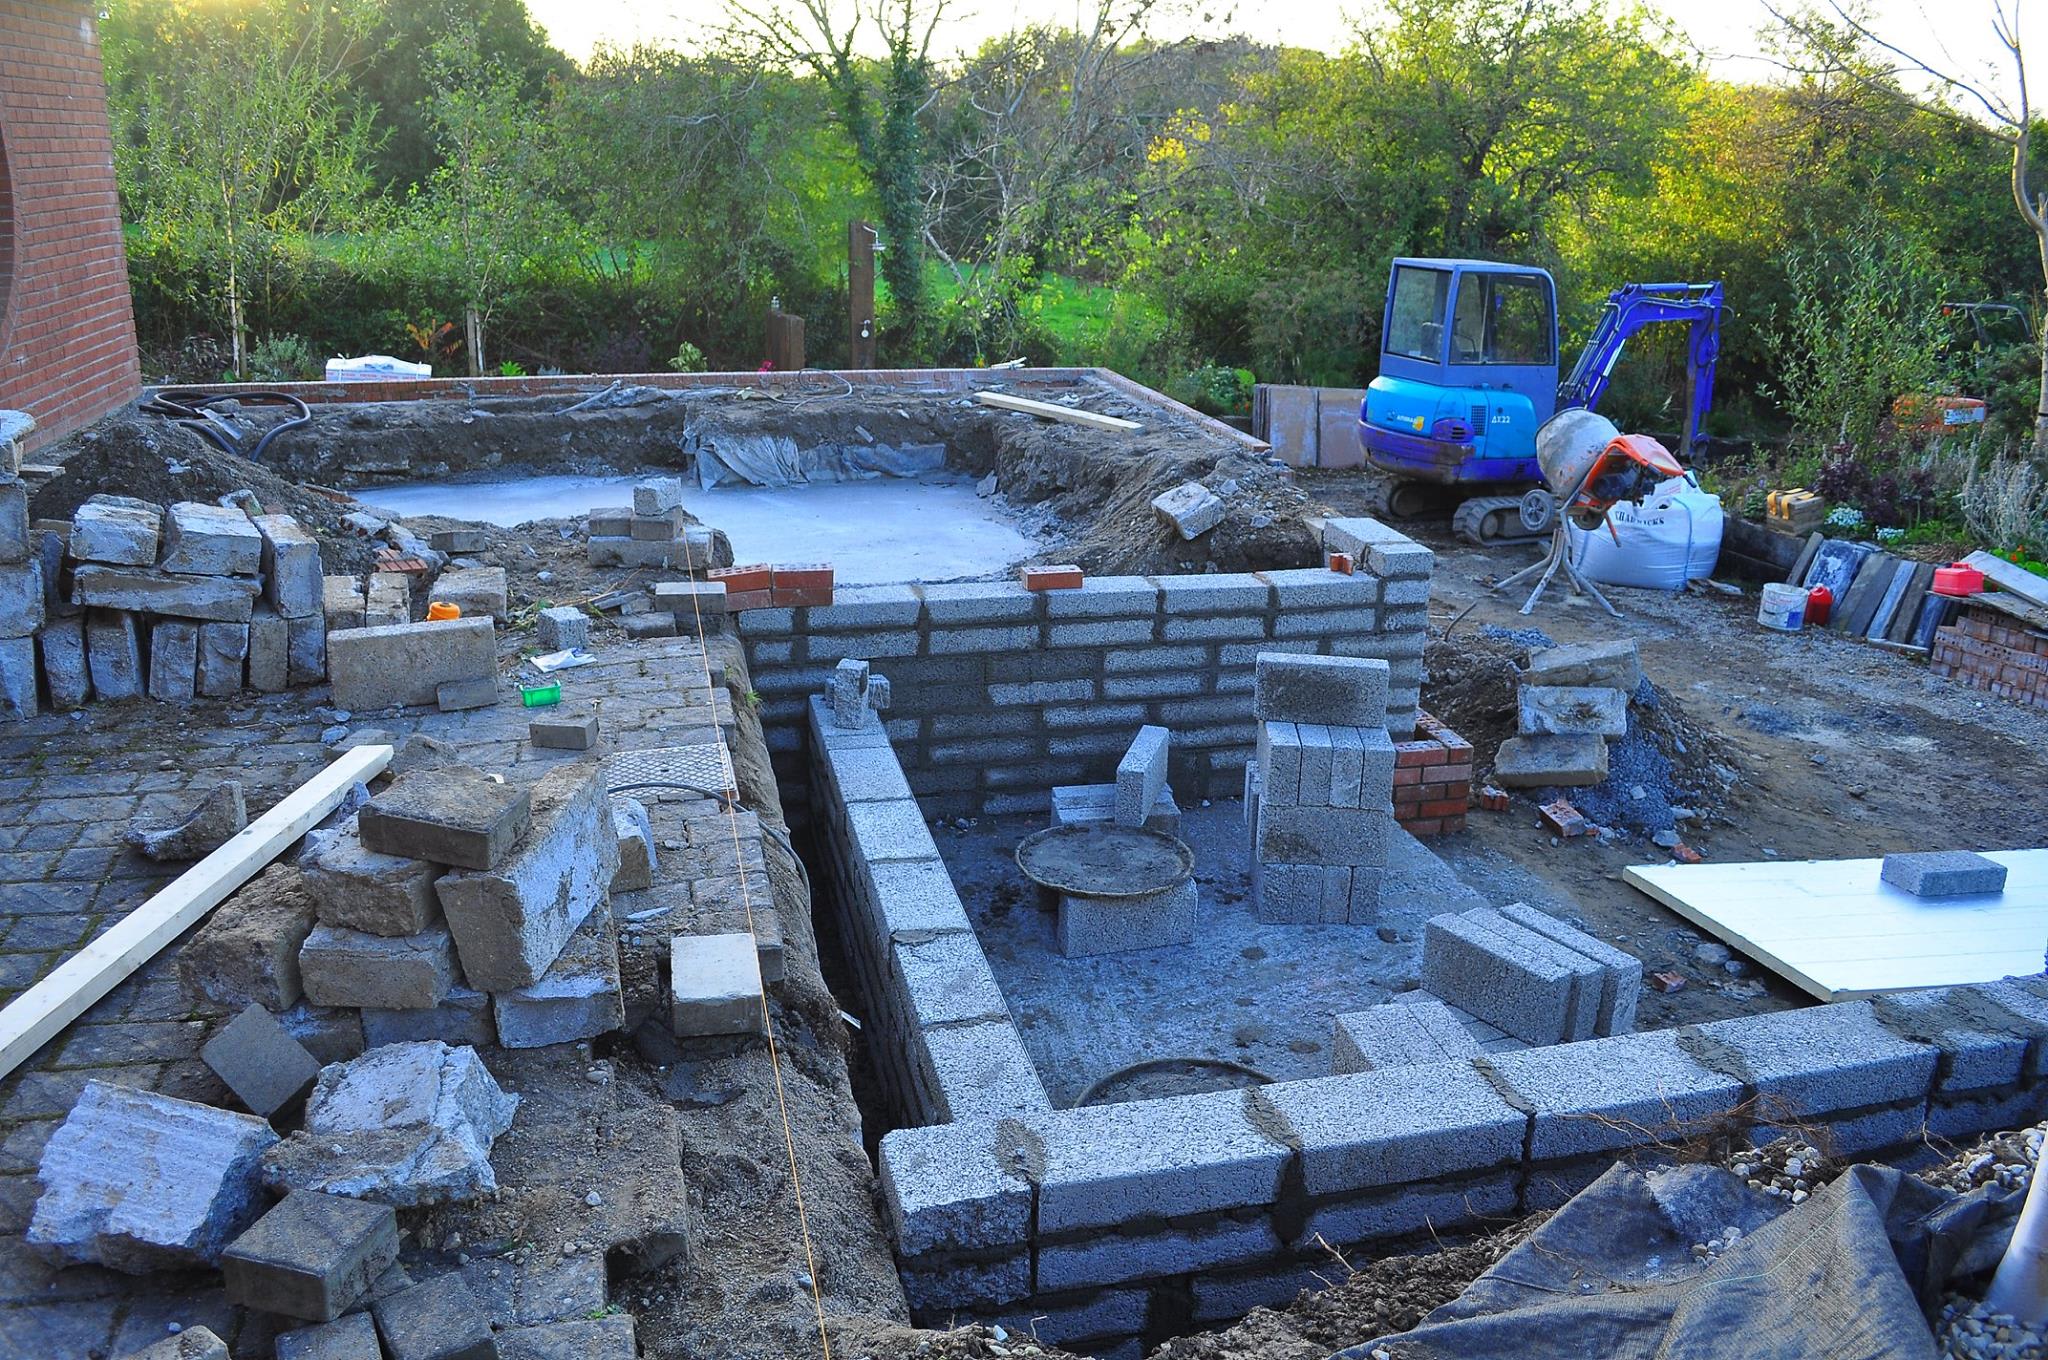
(562,626)
(1214,593)
(1278,757)
(1312,835)
(1101,597)
(306,650)
(1095,925)
(716,986)
(173,661)
(609,521)
(192,1343)
(1539,761)
(1571,710)
(479,592)
(1288,894)
(657,495)
(511,921)
(866,607)
(866,776)
(117,530)
(455,817)
(1080,804)
(1191,508)
(357,888)
(1517,982)
(407,1124)
(17,679)
(1981,1045)
(1605,665)
(329,1034)
(946,980)
(16,542)
(1387,551)
(113,654)
(247,950)
(292,581)
(260,1061)
(311,1257)
(388,601)
(1816,1061)
(1398,1036)
(21,599)
(1141,776)
(438,1320)
(455,696)
(889,831)
(963,602)
(558,731)
(223,653)
(983,1072)
(342,601)
(1344,691)
(691,603)
(1319,588)
(1430,1207)
(405,664)
(61,645)
(1631,1090)
(1395,1125)
(463,1017)
(666,527)
(915,897)
(959,1186)
(210,540)
(269,652)
(460,540)
(352,968)
(1943,873)
(579,997)
(1107,1259)
(636,845)
(139,1182)
(980,1282)
(1106,1165)
(221,599)
(1622,985)
(605,1338)
(353,1337)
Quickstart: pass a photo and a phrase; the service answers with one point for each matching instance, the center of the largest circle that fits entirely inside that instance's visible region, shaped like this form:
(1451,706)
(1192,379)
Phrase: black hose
(188,408)
(1190,1060)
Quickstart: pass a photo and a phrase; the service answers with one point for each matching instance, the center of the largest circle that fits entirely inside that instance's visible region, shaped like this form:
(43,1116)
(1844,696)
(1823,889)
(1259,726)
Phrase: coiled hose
(193,410)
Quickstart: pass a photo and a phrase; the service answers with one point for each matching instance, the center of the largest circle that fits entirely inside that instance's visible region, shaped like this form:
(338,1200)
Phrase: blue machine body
(1468,366)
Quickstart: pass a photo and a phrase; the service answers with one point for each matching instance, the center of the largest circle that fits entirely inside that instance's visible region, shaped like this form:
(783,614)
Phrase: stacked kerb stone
(1319,791)
(129,598)
(1573,700)
(655,531)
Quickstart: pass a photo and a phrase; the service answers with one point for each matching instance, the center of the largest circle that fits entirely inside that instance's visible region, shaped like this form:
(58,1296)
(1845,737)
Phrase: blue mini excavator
(1468,374)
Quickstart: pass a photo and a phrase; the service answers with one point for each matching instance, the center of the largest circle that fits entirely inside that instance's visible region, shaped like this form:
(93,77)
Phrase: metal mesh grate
(706,768)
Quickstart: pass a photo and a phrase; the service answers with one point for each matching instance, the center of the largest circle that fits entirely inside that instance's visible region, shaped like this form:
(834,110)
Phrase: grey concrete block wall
(1002,692)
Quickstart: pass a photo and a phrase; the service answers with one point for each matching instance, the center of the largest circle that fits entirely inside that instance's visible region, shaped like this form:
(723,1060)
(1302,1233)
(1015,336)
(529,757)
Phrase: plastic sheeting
(1847,1275)
(775,460)
(1673,537)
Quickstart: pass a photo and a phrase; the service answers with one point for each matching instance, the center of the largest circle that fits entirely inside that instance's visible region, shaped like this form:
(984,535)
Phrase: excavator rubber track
(1493,522)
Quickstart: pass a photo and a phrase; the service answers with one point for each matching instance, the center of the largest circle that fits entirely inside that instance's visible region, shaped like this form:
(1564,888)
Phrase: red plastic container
(1819,601)
(1958,579)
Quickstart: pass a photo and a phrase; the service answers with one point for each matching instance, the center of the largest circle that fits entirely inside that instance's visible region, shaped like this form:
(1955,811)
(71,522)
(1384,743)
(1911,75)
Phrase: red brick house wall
(67,329)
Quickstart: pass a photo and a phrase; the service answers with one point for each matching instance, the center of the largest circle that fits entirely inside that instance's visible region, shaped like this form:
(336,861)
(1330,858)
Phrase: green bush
(284,358)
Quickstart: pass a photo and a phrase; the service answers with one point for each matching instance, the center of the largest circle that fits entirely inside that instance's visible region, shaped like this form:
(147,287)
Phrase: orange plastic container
(1957,578)
(440,611)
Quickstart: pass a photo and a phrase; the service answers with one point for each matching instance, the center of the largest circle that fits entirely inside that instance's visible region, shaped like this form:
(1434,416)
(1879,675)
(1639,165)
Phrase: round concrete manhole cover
(1102,859)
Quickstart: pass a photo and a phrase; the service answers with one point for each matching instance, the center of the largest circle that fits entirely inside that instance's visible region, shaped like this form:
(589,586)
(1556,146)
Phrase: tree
(1846,44)
(245,138)
(881,104)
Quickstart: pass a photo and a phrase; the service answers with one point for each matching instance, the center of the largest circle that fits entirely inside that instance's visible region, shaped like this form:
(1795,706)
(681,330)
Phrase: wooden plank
(41,1013)
(1901,630)
(1836,930)
(2018,580)
(1051,411)
(1888,604)
(1797,576)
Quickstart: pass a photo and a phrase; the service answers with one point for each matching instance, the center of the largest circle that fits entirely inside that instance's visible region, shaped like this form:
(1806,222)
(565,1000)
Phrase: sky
(1725,31)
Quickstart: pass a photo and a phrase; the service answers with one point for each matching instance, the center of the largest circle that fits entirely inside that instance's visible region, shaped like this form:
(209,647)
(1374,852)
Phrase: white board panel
(1836,930)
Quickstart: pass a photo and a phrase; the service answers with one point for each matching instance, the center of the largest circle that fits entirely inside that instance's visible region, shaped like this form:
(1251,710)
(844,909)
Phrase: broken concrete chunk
(223,654)
(113,654)
(351,968)
(137,1182)
(1528,762)
(194,1343)
(17,679)
(222,599)
(562,626)
(16,540)
(636,845)
(118,530)
(605,1338)
(510,922)
(210,540)
(260,1061)
(357,888)
(269,651)
(306,650)
(456,817)
(657,495)
(1572,710)
(463,1017)
(248,949)
(62,644)
(292,582)
(173,661)
(1191,508)
(416,752)
(21,599)
(578,998)
(219,816)
(453,696)
(1608,665)
(311,1257)
(405,1125)
(353,1337)
(1943,873)
(438,1320)
(401,664)
(476,591)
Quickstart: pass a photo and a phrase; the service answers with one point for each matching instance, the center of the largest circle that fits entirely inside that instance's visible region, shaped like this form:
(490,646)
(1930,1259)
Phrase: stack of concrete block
(1319,791)
(128,598)
(1530,975)
(655,531)
(1399,1035)
(1573,700)
(1099,925)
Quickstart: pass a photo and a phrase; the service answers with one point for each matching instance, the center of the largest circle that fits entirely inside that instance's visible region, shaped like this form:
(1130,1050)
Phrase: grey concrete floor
(1260,995)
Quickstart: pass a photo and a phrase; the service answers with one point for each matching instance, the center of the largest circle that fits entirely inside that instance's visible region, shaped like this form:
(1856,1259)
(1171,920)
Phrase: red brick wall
(67,331)
(1988,650)
(1432,779)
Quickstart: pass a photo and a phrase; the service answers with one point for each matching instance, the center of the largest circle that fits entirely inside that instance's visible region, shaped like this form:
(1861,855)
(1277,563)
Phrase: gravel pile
(2005,1159)
(1968,1330)
(1788,1168)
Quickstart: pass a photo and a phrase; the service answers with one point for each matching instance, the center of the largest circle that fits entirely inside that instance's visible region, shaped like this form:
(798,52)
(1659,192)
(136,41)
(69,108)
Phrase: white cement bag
(375,368)
(1673,537)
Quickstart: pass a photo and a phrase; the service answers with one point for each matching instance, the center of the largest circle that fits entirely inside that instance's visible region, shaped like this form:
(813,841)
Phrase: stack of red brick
(1991,651)
(1432,779)
(762,586)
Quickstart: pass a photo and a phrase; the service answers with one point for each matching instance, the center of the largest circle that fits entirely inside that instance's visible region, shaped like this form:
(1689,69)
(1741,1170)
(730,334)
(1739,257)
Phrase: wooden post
(860,289)
(785,342)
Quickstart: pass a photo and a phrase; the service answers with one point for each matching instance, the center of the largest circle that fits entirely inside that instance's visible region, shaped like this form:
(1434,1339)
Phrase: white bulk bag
(1673,537)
